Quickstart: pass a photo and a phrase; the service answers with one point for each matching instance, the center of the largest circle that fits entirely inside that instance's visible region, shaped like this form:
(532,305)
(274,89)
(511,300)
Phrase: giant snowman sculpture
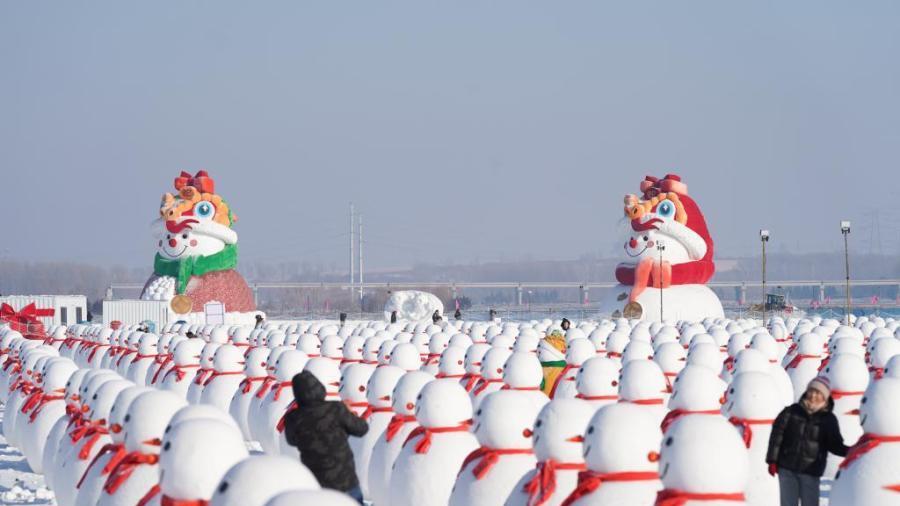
(671,280)
(197,250)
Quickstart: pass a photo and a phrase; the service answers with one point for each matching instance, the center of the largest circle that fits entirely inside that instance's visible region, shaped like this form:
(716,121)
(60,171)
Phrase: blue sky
(462,130)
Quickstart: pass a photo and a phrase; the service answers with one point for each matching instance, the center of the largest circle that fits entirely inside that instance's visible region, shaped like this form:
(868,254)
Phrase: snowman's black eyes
(591,429)
(167,446)
(223,487)
(127,418)
(668,441)
(94,397)
(479,412)
(538,424)
(168,428)
(863,401)
(731,391)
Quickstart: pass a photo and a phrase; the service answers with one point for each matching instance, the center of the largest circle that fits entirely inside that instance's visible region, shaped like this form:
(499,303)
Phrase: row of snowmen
(461,413)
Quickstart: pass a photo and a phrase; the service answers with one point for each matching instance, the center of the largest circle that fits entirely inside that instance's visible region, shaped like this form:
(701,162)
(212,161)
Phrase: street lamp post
(845,231)
(660,247)
(764,238)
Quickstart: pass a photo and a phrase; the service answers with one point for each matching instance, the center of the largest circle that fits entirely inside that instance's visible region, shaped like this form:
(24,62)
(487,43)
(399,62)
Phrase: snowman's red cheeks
(639,226)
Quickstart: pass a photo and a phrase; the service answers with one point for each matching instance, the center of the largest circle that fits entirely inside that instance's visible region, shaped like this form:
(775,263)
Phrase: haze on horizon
(462,131)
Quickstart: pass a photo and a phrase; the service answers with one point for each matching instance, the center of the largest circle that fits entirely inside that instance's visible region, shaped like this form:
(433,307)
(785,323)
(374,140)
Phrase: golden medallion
(181,304)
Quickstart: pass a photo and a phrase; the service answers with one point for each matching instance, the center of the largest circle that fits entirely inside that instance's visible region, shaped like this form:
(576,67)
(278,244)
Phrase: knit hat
(821,384)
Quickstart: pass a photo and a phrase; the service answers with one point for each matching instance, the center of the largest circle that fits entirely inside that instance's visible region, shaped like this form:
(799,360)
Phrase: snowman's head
(642,380)
(879,409)
(228,358)
(119,411)
(493,363)
(103,399)
(598,376)
(703,454)
(696,388)
(354,382)
(753,395)
(146,419)
(505,420)
(406,357)
(474,357)
(407,390)
(257,479)
(620,438)
(195,221)
(443,403)
(381,385)
(523,370)
(325,370)
(201,444)
(666,215)
(559,430)
(453,361)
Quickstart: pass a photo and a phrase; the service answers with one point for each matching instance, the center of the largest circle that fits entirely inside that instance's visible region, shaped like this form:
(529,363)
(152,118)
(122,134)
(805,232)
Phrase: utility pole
(660,247)
(764,238)
(360,239)
(352,259)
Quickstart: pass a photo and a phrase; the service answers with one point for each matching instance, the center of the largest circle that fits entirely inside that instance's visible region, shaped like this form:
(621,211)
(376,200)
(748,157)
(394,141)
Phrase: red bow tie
(396,423)
(427,432)
(487,458)
(542,485)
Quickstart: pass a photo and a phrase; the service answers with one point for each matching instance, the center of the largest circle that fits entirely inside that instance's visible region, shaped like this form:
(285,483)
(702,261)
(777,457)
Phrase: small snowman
(228,373)
(558,436)
(703,461)
(401,424)
(503,425)
(255,480)
(620,449)
(870,474)
(597,382)
(426,469)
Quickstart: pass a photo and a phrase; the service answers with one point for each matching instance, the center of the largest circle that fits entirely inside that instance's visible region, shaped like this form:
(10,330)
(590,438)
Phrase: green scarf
(184,268)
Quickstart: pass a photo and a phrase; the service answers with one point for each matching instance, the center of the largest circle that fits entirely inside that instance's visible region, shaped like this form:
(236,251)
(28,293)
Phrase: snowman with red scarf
(870,474)
(665,216)
(503,426)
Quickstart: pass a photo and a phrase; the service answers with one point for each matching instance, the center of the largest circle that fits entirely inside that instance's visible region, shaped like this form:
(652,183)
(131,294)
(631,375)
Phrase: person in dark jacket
(802,436)
(319,429)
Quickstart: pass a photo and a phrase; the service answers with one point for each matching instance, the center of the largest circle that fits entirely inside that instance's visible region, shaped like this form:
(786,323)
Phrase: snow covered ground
(18,485)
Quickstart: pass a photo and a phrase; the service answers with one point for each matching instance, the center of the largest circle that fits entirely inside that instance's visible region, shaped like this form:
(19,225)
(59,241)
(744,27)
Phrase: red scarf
(542,485)
(799,358)
(644,402)
(442,375)
(179,371)
(200,377)
(867,442)
(153,492)
(675,414)
(521,389)
(590,481)
(487,458)
(94,352)
(264,388)
(119,453)
(46,399)
(397,422)
(483,384)
(469,380)
(824,363)
(281,386)
(680,498)
(837,394)
(291,407)
(216,374)
(162,366)
(122,357)
(168,501)
(373,409)
(95,431)
(611,397)
(745,425)
(125,467)
(138,357)
(427,432)
(247,383)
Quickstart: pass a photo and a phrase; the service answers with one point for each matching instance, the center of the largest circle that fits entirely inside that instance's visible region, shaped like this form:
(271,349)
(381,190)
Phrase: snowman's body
(254,376)
(223,383)
(849,378)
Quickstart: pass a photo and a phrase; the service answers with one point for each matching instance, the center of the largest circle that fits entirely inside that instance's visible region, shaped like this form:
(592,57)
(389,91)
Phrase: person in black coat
(319,429)
(802,436)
